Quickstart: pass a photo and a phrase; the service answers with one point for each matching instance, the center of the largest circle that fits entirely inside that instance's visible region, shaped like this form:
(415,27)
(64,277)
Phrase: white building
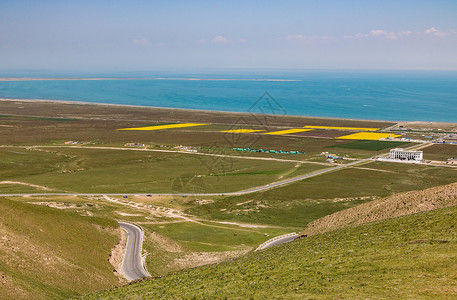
(401,154)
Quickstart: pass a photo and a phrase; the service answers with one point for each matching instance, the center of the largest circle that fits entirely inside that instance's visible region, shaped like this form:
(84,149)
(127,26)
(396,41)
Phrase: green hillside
(410,257)
(47,253)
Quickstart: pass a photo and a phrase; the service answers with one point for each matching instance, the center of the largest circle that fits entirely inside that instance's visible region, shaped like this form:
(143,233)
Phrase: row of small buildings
(448,139)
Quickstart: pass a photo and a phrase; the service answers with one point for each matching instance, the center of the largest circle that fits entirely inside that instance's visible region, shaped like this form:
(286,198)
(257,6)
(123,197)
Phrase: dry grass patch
(384,208)
(196,259)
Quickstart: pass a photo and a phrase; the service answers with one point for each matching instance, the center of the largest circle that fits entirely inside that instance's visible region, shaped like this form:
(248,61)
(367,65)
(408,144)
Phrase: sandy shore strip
(189,109)
(171,109)
(134,78)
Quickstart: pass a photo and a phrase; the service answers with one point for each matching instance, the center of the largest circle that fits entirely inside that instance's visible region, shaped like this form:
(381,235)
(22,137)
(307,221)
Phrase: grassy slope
(407,257)
(50,253)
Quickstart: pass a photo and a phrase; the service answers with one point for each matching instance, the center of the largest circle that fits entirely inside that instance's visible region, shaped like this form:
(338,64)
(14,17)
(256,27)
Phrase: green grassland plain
(183,232)
(119,171)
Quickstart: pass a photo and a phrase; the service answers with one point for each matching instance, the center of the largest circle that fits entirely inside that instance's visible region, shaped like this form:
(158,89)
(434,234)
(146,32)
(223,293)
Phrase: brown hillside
(390,207)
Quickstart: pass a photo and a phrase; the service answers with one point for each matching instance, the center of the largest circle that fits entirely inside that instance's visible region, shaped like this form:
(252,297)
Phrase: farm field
(440,152)
(367,136)
(288,131)
(323,133)
(97,132)
(165,126)
(98,125)
(343,128)
(370,145)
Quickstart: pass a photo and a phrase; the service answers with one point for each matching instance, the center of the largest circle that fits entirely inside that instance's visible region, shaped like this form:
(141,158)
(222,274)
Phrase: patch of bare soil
(66,205)
(166,243)
(58,205)
(378,170)
(422,125)
(191,259)
(116,257)
(196,259)
(348,199)
(242,203)
(151,198)
(128,214)
(243,224)
(204,201)
(390,207)
(10,290)
(154,211)
(27,184)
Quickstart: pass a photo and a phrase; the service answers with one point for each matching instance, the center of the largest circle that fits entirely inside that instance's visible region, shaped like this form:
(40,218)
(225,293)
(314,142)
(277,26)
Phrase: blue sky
(235,35)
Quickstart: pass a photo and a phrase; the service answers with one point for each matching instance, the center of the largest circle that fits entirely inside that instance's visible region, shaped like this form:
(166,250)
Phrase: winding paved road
(132,264)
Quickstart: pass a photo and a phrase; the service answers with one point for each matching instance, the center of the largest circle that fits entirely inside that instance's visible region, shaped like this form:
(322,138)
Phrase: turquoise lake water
(409,96)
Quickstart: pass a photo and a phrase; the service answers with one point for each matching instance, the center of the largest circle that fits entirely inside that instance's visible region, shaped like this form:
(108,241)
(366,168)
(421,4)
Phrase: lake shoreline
(194,110)
(351,96)
(173,111)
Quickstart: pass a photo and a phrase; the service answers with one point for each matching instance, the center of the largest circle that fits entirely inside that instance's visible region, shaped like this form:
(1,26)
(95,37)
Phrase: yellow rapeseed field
(342,128)
(242,130)
(168,126)
(287,131)
(367,136)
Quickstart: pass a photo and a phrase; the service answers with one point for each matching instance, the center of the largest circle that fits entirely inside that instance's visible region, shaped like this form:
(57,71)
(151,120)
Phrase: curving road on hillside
(132,264)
